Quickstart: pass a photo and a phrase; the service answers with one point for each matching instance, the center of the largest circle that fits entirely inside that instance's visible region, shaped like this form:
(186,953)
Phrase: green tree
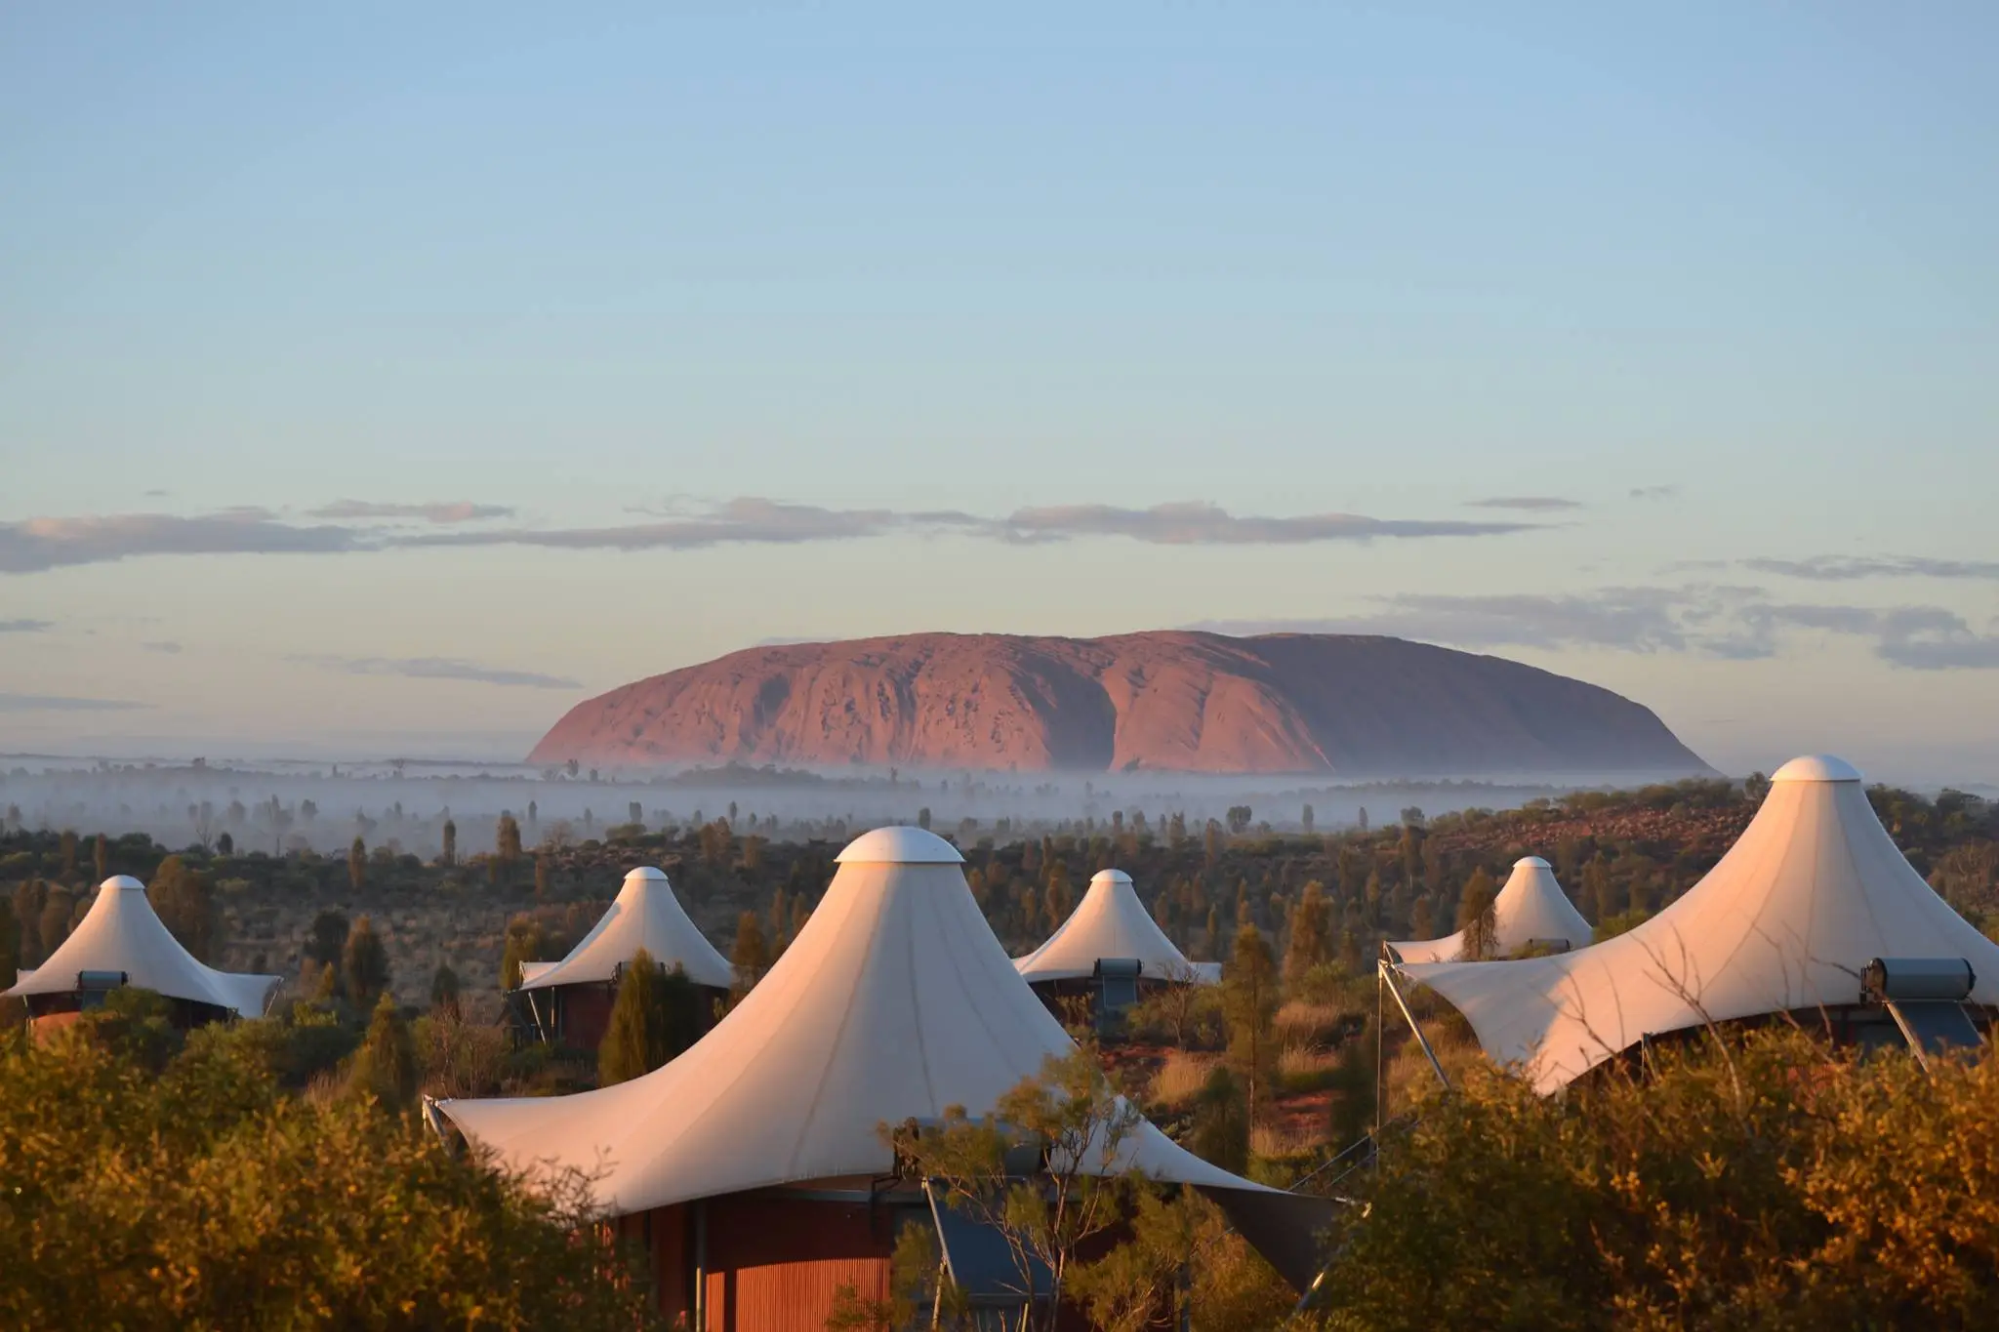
(10,945)
(652,1020)
(751,955)
(328,936)
(444,989)
(58,913)
(357,864)
(185,903)
(450,854)
(1220,1131)
(30,896)
(525,943)
(1060,900)
(1079,1125)
(100,855)
(385,1066)
(1310,943)
(1249,1003)
(1423,919)
(1600,890)
(69,856)
(507,839)
(365,963)
(1475,917)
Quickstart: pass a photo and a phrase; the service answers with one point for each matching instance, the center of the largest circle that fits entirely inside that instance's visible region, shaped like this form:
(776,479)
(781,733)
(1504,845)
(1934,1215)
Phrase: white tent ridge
(645,915)
(1531,906)
(1811,892)
(122,933)
(896,1000)
(1111,922)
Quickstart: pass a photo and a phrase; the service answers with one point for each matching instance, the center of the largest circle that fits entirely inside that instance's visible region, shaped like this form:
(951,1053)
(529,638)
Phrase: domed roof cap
(900,845)
(1532,863)
(649,873)
(121,882)
(1111,877)
(1817,768)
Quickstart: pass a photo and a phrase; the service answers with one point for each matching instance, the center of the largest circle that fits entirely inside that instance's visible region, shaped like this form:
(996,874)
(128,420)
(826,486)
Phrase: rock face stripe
(1350,705)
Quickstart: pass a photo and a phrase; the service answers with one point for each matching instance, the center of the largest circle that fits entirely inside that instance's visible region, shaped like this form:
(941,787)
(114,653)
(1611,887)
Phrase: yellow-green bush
(204,1196)
(1774,1183)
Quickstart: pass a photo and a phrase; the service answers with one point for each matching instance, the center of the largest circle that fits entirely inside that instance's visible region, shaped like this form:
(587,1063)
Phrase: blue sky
(697,327)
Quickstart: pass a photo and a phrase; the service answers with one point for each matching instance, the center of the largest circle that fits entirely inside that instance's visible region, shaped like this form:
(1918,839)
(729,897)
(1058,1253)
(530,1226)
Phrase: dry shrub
(1310,1023)
(1277,1141)
(1181,1078)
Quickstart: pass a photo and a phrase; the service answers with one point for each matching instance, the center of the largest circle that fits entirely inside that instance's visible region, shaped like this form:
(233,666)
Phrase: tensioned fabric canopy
(122,933)
(1530,906)
(646,916)
(1111,922)
(1812,891)
(896,1000)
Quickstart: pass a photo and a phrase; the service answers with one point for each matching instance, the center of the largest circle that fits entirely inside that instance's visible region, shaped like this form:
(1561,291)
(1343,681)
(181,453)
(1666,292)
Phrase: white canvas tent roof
(122,933)
(1530,906)
(1111,922)
(895,1000)
(1812,891)
(646,916)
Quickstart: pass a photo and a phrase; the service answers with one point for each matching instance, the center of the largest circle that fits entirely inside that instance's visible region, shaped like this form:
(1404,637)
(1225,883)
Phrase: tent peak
(121,882)
(1817,768)
(1111,877)
(1532,863)
(901,845)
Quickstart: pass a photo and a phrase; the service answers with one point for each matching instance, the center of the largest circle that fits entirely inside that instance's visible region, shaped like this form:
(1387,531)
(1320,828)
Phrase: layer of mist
(278,806)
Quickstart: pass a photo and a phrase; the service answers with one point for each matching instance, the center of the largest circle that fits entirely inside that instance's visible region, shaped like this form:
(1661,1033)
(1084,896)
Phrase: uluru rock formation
(1351,705)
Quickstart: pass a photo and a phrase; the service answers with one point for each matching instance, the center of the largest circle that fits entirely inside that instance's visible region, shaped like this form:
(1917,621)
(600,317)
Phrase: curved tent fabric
(1531,906)
(122,933)
(895,1000)
(645,915)
(1812,891)
(1111,922)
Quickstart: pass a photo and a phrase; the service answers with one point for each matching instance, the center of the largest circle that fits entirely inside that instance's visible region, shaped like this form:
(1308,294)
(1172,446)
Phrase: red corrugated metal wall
(773,1262)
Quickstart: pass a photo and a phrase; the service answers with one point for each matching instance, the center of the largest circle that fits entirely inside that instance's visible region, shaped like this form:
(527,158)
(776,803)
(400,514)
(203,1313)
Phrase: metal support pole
(1381,970)
(1380,1043)
(700,1263)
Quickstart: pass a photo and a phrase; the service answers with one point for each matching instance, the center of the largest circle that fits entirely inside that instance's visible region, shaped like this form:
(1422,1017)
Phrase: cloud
(1532,503)
(437,668)
(161,646)
(1199,523)
(1642,620)
(25,626)
(757,520)
(36,544)
(1722,621)
(1921,638)
(1843,569)
(1654,492)
(62,703)
(440,511)
(747,519)
(32,545)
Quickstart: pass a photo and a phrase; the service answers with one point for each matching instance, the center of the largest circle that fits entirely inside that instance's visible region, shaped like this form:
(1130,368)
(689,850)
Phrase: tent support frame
(1387,978)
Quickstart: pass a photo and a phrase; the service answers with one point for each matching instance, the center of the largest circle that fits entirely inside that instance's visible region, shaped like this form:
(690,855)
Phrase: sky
(386,379)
